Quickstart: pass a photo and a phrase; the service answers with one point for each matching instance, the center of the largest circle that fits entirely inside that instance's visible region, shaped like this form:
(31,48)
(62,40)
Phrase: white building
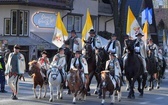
(30,23)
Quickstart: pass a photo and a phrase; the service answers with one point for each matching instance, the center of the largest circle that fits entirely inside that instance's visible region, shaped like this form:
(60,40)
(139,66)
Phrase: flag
(133,26)
(145,31)
(60,33)
(146,16)
(164,40)
(87,27)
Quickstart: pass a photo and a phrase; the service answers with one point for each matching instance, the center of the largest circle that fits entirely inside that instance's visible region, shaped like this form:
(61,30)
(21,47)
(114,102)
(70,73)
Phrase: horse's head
(130,45)
(88,49)
(74,75)
(34,67)
(105,78)
(53,73)
(151,53)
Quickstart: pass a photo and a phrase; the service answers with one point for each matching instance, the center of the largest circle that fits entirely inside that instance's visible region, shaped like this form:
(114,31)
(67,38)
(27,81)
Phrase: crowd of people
(14,65)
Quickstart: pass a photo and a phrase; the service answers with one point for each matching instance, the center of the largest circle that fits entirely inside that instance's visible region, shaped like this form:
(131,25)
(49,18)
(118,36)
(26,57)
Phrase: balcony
(105,9)
(58,4)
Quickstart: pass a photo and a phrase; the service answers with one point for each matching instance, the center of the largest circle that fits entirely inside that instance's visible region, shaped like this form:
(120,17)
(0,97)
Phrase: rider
(114,46)
(75,43)
(59,62)
(94,40)
(114,67)
(152,46)
(44,63)
(79,63)
(126,37)
(139,47)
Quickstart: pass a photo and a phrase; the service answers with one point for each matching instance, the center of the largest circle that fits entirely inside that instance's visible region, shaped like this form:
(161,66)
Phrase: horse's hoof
(149,88)
(44,96)
(74,102)
(50,100)
(127,89)
(35,96)
(157,87)
(61,98)
(111,103)
(99,97)
(102,103)
(133,97)
(129,97)
(119,100)
(39,97)
(95,92)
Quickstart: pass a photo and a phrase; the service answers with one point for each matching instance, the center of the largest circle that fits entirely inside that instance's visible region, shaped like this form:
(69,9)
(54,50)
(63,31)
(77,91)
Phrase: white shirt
(111,48)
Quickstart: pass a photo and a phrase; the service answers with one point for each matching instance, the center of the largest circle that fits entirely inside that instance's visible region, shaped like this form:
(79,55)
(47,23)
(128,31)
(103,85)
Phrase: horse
(76,85)
(152,68)
(162,66)
(91,60)
(54,80)
(108,84)
(134,70)
(35,73)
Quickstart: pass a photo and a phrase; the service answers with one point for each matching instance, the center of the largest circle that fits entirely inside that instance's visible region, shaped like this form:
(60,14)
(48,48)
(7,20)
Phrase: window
(94,21)
(7,26)
(19,22)
(74,22)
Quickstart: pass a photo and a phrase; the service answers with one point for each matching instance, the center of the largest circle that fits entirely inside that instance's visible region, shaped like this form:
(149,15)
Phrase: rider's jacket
(114,66)
(95,41)
(139,47)
(114,46)
(79,63)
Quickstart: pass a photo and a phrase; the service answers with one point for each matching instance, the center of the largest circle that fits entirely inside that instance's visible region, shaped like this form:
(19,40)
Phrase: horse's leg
(40,92)
(127,84)
(58,91)
(34,90)
(74,98)
(144,78)
(130,82)
(51,92)
(139,86)
(158,80)
(90,79)
(150,82)
(132,88)
(45,90)
(119,95)
(104,95)
(97,75)
(61,92)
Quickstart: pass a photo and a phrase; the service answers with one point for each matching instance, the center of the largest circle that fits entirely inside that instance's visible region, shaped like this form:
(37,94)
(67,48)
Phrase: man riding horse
(59,62)
(139,47)
(79,63)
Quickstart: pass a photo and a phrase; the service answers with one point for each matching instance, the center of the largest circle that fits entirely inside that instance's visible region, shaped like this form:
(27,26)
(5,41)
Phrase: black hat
(92,31)
(17,46)
(114,35)
(78,52)
(139,34)
(113,54)
(44,52)
(73,31)
(150,39)
(60,49)
(66,42)
(126,36)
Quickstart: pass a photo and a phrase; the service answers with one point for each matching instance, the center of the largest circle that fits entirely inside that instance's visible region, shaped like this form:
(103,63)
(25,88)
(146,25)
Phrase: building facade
(30,23)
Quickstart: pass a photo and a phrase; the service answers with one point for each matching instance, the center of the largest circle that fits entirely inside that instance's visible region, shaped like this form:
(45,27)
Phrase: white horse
(54,80)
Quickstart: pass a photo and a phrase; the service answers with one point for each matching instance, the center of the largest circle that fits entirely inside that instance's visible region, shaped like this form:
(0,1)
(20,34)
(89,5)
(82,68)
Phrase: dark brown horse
(34,72)
(108,84)
(76,85)
(91,60)
(134,70)
(153,70)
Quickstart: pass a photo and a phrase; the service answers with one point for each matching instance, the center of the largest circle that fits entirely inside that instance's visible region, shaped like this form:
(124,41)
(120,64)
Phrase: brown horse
(108,84)
(34,72)
(76,85)
(91,60)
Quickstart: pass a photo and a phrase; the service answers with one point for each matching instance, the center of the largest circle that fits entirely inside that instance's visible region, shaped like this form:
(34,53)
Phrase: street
(154,97)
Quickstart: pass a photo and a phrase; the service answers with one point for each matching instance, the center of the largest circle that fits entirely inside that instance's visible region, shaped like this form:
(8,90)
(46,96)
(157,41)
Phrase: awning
(23,41)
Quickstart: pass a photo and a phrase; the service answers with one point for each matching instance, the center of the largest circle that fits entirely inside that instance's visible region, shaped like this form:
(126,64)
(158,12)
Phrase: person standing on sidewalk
(15,69)
(2,74)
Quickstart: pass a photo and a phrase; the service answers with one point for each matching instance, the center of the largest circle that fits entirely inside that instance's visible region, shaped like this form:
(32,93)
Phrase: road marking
(160,98)
(144,103)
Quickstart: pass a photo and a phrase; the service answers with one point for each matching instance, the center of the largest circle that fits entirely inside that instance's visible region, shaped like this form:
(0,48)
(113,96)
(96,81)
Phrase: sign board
(44,20)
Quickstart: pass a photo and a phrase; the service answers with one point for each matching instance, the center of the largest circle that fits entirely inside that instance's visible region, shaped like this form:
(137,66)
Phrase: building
(30,23)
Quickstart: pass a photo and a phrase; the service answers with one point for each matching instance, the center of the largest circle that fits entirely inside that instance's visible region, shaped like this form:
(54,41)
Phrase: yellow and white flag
(145,31)
(133,26)
(60,33)
(164,40)
(87,27)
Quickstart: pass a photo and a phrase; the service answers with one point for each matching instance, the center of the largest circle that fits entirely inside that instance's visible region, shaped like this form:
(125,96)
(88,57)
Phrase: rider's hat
(78,52)
(139,34)
(112,54)
(113,35)
(44,52)
(60,49)
(126,36)
(92,31)
(73,31)
(17,46)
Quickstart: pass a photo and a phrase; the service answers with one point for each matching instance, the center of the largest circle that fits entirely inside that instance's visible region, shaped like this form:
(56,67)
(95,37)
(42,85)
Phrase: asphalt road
(154,97)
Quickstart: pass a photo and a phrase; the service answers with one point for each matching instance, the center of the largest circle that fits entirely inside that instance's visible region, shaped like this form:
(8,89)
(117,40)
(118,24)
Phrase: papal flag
(87,27)
(60,33)
(133,26)
(145,31)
